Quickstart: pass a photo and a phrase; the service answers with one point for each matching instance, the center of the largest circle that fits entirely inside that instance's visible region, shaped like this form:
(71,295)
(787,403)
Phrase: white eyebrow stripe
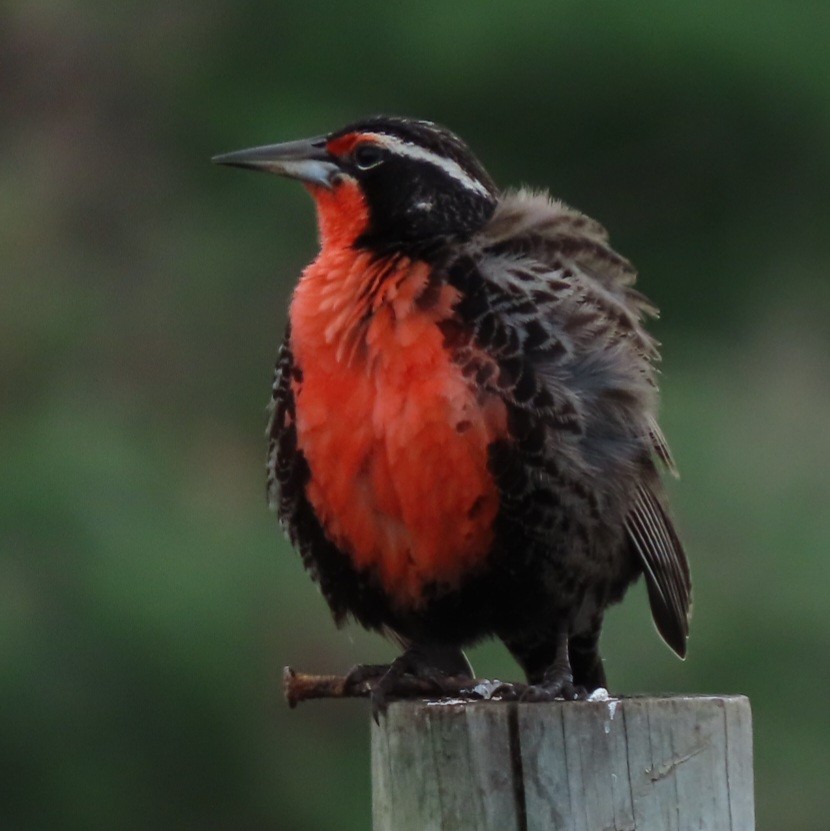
(450,167)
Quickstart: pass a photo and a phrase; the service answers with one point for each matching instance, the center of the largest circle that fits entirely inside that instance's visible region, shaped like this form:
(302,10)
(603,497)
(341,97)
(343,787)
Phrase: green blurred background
(147,602)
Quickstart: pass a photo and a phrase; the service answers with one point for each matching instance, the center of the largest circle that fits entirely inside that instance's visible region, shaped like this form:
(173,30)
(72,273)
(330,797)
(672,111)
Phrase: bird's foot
(393,683)
(507,691)
(397,681)
(361,674)
(558,684)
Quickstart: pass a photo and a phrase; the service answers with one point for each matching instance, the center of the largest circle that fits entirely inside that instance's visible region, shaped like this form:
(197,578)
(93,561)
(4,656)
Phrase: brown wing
(551,277)
(664,563)
(282,484)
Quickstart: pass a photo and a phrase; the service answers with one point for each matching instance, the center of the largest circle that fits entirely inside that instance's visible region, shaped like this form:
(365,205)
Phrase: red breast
(395,438)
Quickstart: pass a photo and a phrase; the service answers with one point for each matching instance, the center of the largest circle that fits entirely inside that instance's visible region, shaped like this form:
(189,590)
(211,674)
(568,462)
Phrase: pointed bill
(306,160)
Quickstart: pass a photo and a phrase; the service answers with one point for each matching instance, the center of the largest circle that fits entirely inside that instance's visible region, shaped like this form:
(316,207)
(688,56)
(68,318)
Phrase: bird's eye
(367,156)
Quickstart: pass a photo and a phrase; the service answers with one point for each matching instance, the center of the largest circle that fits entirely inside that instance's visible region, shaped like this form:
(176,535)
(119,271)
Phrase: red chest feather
(395,439)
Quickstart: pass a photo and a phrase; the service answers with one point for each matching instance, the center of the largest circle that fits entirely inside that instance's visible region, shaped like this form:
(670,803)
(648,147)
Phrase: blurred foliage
(148,604)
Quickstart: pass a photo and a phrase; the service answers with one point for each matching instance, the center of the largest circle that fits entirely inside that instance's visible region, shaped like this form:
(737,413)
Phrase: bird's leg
(558,680)
(586,662)
(548,667)
(430,662)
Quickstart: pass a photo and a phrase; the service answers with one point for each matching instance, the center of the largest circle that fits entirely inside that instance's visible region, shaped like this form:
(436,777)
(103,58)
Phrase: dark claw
(386,685)
(558,682)
(386,689)
(431,663)
(380,701)
(391,685)
(506,691)
(563,690)
(363,673)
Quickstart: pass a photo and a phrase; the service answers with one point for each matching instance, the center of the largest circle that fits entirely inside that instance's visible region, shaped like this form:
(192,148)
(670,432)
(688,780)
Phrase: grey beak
(306,160)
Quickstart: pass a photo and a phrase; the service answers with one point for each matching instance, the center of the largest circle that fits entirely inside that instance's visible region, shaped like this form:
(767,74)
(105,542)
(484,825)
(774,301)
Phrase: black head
(421,184)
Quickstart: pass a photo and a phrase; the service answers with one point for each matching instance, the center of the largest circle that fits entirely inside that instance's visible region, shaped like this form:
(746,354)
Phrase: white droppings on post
(599,694)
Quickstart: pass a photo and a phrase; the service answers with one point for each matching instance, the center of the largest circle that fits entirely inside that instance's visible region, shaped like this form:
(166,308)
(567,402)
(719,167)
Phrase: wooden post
(630,764)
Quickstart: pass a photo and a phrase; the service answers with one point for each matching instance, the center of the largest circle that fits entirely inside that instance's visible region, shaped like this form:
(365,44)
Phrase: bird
(463,440)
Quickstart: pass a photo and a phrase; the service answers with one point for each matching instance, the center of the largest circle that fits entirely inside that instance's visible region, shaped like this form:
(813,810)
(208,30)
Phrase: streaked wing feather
(281,458)
(664,563)
(661,446)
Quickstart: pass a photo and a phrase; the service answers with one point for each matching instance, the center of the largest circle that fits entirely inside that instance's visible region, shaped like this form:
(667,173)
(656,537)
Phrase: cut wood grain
(632,764)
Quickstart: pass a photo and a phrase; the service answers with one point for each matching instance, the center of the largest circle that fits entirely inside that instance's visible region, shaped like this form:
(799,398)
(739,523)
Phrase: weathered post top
(629,764)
